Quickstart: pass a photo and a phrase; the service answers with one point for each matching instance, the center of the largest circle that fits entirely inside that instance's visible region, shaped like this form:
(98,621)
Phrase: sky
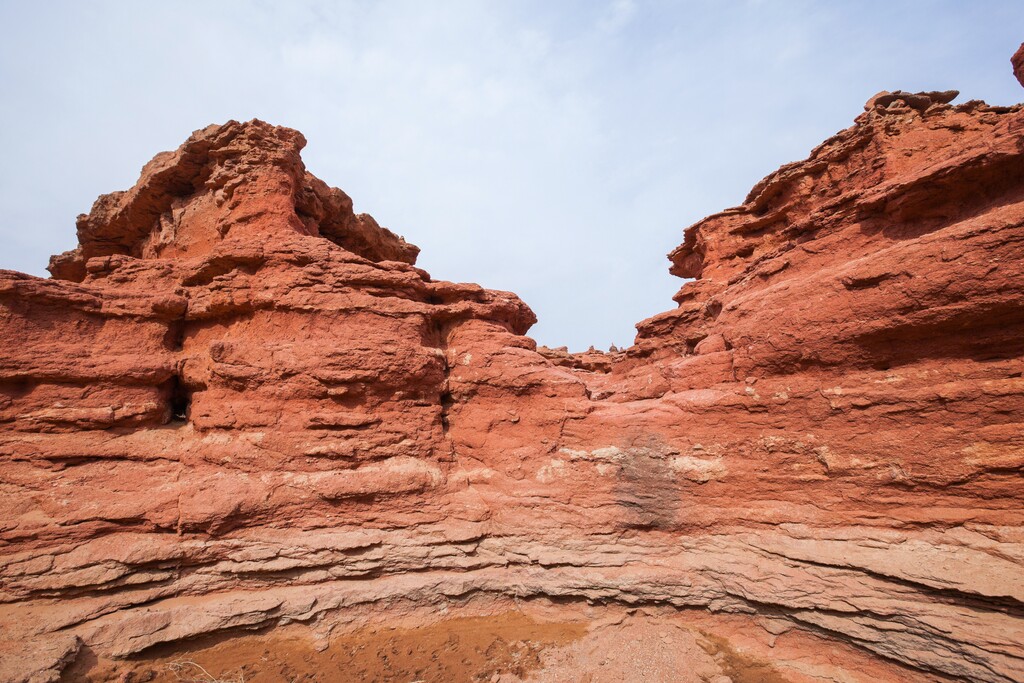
(557,149)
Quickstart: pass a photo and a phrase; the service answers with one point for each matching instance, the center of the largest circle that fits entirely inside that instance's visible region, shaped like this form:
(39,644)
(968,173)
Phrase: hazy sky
(555,149)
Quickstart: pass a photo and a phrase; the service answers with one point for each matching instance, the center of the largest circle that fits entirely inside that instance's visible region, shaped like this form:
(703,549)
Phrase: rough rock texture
(238,404)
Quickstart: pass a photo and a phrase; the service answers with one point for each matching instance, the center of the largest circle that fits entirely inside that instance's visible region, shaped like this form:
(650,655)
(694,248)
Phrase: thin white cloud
(616,15)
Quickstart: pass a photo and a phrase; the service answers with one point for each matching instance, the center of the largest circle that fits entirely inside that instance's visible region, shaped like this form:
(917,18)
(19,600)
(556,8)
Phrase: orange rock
(240,404)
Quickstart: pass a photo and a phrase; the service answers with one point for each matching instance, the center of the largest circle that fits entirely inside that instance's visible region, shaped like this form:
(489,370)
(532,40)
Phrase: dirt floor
(506,648)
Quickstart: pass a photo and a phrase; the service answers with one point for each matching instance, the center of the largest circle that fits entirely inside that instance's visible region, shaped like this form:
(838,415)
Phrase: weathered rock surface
(239,404)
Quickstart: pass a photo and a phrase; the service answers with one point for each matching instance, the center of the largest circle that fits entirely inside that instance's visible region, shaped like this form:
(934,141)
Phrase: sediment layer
(238,405)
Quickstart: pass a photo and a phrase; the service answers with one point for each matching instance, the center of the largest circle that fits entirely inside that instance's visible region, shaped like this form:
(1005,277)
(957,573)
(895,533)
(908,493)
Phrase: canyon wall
(238,404)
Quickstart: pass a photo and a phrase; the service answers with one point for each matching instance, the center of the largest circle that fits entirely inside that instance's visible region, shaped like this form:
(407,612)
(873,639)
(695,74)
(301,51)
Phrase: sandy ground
(646,649)
(511,647)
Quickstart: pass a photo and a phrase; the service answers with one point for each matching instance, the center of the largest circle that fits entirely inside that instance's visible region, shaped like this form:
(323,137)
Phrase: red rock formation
(238,404)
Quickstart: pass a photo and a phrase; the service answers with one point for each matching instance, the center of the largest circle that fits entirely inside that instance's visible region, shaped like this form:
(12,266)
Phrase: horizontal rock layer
(239,404)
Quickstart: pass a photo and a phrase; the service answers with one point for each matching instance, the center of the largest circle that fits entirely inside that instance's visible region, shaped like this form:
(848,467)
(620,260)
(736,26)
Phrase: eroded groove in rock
(239,404)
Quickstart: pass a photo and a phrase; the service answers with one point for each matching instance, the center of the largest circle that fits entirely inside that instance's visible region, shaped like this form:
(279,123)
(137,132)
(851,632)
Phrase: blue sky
(554,149)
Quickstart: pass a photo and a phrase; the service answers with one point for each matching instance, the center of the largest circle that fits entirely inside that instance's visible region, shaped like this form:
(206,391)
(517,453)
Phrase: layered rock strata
(238,404)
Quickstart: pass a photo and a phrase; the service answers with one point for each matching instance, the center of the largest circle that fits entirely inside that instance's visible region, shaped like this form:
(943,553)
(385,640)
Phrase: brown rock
(919,101)
(238,404)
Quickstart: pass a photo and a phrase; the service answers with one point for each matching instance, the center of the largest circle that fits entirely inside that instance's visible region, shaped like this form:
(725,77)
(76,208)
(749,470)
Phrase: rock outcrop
(238,404)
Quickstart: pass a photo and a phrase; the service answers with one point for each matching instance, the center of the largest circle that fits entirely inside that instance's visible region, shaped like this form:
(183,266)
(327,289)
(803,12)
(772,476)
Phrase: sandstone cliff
(238,404)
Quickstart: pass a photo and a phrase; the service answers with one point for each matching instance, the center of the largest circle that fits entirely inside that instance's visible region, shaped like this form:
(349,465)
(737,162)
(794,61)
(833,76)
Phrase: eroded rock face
(238,404)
